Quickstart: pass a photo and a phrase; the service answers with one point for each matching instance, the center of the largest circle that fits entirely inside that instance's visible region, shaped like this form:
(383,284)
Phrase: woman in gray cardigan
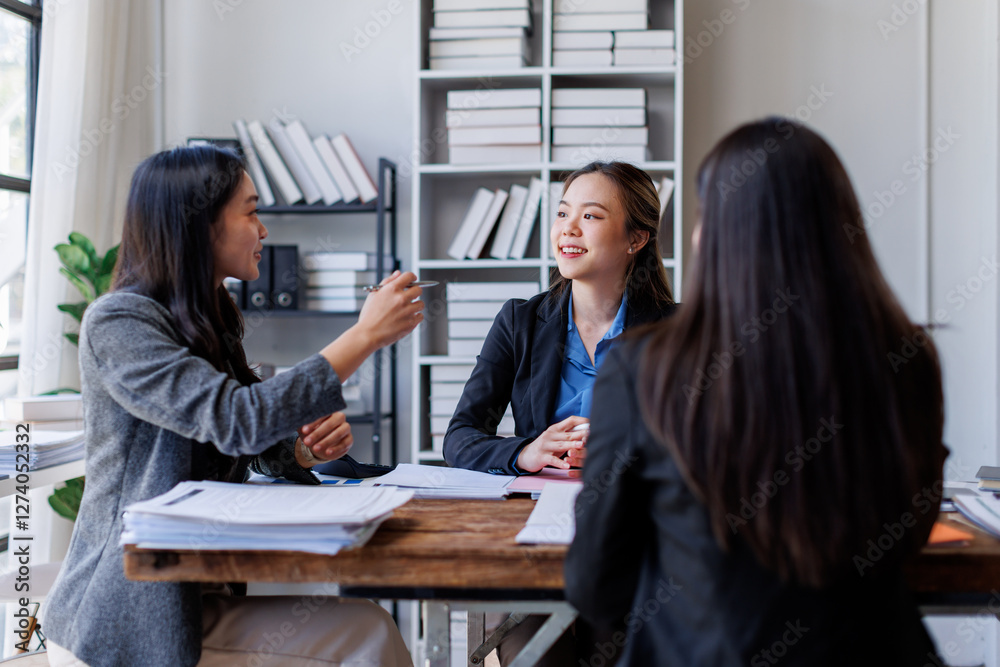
(168,396)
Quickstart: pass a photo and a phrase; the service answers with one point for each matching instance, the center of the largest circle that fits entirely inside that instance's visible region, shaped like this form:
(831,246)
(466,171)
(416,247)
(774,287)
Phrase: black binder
(258,294)
(285,277)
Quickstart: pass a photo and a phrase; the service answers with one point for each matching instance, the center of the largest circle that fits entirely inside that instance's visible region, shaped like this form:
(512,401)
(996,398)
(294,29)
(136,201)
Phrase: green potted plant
(91,274)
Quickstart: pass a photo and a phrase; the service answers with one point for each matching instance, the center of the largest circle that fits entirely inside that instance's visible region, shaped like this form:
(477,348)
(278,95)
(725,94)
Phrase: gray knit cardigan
(148,404)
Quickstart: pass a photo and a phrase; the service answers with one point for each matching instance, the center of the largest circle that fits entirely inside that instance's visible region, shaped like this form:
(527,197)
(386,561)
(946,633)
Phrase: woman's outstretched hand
(393,310)
(555,441)
(389,313)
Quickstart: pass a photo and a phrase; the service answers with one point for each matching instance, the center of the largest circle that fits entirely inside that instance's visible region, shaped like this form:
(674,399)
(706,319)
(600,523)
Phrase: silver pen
(417,283)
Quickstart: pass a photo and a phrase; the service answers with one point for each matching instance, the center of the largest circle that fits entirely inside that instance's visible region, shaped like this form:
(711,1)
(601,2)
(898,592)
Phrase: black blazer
(644,563)
(521,365)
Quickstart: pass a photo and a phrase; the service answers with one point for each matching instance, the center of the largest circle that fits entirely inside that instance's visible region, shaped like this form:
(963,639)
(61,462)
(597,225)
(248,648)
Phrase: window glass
(15,87)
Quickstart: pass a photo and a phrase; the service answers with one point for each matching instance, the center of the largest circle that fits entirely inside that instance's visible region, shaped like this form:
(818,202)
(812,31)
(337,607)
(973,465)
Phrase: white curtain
(99,114)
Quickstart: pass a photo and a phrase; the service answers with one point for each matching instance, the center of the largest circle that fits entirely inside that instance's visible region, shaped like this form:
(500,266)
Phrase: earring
(631,250)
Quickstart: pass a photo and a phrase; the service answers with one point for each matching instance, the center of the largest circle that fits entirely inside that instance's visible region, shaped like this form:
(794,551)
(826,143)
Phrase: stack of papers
(221,516)
(45,448)
(441,482)
(982,509)
(553,521)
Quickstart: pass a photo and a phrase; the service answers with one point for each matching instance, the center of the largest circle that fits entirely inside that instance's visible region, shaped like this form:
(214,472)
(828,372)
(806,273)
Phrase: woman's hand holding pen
(328,438)
(393,310)
(555,441)
(389,313)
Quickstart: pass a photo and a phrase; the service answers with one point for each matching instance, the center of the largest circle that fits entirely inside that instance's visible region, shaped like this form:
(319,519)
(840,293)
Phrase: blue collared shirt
(576,388)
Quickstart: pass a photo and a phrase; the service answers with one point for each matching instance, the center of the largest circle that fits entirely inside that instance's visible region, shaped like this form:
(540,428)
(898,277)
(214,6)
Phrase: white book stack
(480,35)
(506,216)
(573,18)
(447,383)
(303,168)
(501,126)
(599,124)
(333,281)
(60,412)
(644,48)
(472,307)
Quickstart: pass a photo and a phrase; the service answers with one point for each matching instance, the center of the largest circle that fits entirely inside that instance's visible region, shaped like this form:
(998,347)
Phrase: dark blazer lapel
(547,354)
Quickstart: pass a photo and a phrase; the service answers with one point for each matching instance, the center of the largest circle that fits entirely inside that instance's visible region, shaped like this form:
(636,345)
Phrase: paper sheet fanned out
(222,516)
(553,520)
(440,482)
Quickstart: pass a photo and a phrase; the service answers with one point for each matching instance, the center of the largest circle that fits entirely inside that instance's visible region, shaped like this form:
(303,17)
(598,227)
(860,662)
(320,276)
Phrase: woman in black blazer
(760,466)
(605,241)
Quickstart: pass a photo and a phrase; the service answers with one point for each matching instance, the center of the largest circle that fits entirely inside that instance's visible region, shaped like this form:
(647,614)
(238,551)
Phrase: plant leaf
(60,390)
(102,284)
(82,242)
(108,263)
(73,338)
(74,258)
(86,290)
(74,310)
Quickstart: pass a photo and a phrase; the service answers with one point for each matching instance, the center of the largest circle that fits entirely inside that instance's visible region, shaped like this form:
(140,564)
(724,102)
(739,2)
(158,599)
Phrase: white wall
(254,59)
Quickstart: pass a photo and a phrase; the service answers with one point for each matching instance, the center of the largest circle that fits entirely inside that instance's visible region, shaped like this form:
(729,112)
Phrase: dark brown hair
(775,387)
(166,251)
(645,280)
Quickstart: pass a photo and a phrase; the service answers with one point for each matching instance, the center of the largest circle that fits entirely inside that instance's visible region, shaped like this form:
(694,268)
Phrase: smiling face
(588,236)
(237,236)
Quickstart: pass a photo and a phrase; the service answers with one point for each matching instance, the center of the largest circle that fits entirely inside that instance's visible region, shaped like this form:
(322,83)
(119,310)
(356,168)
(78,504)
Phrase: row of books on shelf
(322,281)
(614,48)
(499,222)
(289,167)
(493,34)
(503,126)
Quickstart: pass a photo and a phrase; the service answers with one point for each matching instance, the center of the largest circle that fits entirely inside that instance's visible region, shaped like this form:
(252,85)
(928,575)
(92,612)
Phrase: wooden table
(465,550)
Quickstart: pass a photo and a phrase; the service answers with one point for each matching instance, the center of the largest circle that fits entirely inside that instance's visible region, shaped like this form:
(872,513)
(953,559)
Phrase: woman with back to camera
(542,355)
(168,397)
(776,437)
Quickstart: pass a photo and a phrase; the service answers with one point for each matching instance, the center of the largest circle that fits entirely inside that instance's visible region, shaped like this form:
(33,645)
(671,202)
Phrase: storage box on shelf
(633,95)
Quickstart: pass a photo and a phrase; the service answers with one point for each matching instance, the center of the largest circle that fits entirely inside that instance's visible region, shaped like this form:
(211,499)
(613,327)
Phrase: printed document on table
(553,521)
(441,482)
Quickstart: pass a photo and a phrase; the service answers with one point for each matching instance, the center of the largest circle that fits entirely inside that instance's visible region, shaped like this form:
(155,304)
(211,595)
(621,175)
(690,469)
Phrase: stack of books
(494,126)
(599,124)
(600,33)
(500,221)
(288,166)
(447,383)
(644,48)
(334,280)
(60,412)
(480,34)
(472,307)
(315,519)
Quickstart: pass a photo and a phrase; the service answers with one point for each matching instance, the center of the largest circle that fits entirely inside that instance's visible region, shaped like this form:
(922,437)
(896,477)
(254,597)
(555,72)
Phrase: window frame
(32,13)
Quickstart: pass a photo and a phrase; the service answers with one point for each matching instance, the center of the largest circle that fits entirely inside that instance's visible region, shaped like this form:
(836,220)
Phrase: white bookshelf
(441,191)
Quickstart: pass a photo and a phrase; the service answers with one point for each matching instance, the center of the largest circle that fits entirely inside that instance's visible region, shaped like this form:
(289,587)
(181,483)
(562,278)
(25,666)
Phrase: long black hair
(776,387)
(645,281)
(166,251)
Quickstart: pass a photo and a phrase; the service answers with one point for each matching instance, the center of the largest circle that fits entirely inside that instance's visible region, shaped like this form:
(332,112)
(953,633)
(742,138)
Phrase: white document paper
(441,482)
(553,521)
